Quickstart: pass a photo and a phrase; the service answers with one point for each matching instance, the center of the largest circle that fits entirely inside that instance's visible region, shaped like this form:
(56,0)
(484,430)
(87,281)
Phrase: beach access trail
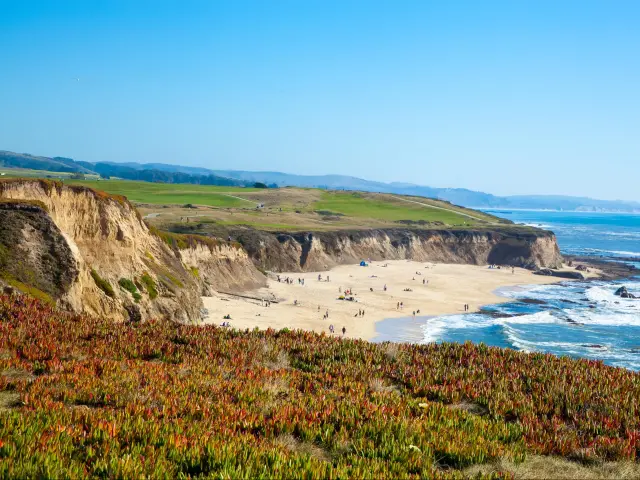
(446,289)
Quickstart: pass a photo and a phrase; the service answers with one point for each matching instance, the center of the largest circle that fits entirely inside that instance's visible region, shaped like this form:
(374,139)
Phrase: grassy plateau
(215,208)
(86,397)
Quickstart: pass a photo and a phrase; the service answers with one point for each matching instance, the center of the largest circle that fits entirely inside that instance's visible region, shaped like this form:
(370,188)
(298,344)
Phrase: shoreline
(427,288)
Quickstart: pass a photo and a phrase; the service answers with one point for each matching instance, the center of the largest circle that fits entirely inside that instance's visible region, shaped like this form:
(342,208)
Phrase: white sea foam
(588,322)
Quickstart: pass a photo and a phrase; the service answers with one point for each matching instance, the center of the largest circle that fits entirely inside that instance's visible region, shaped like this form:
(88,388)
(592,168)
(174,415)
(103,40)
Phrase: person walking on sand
(327,313)
(344,330)
(398,306)
(331,328)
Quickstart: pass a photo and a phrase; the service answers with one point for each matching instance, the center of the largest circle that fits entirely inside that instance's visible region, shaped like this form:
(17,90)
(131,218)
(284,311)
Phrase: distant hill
(458,196)
(167,173)
(132,171)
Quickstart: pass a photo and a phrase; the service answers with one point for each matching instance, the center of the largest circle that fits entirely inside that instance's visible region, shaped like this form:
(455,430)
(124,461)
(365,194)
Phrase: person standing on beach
(344,330)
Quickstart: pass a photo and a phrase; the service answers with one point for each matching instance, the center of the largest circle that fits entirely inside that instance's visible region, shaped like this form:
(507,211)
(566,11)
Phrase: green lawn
(356,205)
(28,173)
(170,194)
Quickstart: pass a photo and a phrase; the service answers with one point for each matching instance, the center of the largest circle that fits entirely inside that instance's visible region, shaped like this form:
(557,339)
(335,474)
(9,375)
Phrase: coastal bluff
(90,252)
(316,251)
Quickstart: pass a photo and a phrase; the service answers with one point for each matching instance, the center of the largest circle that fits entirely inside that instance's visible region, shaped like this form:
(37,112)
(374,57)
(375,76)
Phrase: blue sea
(577,319)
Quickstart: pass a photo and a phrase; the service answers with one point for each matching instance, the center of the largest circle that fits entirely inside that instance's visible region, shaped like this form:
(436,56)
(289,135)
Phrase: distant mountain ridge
(161,172)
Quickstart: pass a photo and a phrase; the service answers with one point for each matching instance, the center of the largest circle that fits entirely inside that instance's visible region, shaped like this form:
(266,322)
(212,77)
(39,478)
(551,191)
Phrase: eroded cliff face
(109,242)
(322,250)
(222,267)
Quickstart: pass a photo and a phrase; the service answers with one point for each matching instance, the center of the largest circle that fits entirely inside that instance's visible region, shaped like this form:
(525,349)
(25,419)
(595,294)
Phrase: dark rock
(34,251)
(532,301)
(556,273)
(134,313)
(581,268)
(496,314)
(621,291)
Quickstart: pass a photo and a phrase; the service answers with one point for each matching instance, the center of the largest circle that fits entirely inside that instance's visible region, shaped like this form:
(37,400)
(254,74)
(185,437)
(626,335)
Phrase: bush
(130,287)
(103,284)
(150,285)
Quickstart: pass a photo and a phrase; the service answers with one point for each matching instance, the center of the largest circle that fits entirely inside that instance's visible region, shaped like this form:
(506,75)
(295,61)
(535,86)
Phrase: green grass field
(286,208)
(28,173)
(170,194)
(354,204)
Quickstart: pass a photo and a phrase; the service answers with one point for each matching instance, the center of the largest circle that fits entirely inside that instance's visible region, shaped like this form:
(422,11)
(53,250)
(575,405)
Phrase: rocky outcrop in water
(622,292)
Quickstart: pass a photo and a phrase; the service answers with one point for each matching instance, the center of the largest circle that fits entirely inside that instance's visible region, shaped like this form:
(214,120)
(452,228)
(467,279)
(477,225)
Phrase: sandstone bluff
(90,252)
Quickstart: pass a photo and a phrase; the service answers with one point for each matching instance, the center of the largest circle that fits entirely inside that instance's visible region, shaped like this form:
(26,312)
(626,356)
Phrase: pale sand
(449,288)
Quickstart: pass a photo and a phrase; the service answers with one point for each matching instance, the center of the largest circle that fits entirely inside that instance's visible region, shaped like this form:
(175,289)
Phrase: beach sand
(446,289)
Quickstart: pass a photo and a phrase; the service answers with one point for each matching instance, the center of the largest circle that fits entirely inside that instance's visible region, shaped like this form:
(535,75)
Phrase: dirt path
(440,208)
(239,198)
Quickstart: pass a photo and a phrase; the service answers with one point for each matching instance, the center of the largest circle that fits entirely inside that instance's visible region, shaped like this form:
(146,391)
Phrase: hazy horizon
(500,97)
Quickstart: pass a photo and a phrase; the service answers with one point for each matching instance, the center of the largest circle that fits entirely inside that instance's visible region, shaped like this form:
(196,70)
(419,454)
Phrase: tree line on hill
(109,170)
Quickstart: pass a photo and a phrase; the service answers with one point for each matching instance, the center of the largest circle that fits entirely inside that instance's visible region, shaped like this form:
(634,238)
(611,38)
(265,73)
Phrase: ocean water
(578,319)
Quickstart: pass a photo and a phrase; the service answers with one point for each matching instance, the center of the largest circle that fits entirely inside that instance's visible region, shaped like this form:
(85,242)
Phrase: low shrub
(103,284)
(150,285)
(130,287)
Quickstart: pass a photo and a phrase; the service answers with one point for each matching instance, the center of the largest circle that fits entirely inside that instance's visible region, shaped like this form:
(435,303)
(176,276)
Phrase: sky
(513,97)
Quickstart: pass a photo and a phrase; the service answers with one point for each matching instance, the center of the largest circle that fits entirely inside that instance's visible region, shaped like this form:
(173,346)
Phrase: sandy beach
(425,288)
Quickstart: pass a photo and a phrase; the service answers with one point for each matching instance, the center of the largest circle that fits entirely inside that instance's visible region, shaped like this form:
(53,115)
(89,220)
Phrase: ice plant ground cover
(86,397)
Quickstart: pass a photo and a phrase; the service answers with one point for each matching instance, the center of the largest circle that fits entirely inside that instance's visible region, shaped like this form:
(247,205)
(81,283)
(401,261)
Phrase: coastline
(446,288)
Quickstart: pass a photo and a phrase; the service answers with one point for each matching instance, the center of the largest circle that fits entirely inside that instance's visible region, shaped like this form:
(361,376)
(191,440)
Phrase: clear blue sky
(506,97)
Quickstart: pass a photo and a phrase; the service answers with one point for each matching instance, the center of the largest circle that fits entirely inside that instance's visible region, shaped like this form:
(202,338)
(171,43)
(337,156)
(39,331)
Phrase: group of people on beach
(332,329)
(289,281)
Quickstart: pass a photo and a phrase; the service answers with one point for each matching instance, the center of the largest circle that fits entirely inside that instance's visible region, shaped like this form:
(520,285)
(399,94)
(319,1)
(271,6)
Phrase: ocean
(577,319)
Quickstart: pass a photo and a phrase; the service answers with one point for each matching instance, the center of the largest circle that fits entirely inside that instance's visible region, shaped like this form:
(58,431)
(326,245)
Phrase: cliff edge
(90,252)
(310,251)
